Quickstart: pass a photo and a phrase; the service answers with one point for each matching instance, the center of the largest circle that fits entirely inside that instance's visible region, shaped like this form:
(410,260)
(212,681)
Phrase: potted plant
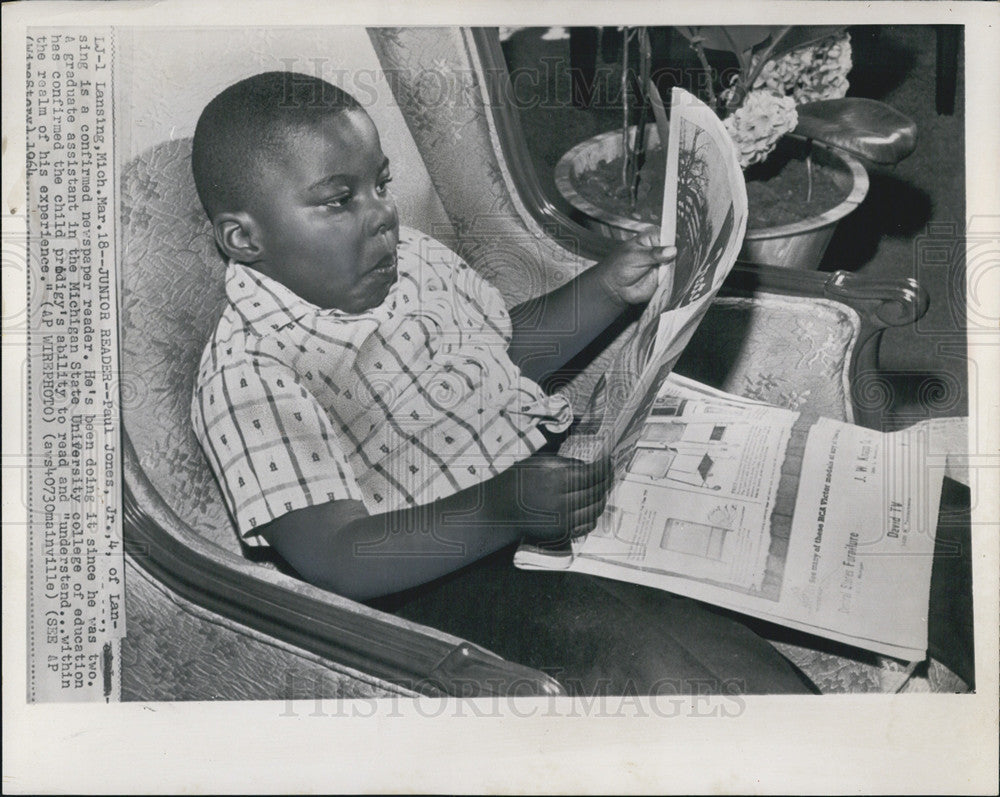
(798,137)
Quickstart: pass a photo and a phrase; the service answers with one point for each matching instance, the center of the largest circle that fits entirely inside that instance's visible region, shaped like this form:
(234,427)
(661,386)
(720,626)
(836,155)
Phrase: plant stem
(809,175)
(700,51)
(759,67)
(740,87)
(645,58)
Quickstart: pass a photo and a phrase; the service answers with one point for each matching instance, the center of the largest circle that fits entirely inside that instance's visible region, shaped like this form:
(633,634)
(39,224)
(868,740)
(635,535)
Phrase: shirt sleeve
(482,304)
(270,444)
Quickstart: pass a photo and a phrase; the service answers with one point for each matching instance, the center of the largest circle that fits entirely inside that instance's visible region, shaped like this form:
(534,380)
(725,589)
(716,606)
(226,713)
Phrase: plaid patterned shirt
(400,405)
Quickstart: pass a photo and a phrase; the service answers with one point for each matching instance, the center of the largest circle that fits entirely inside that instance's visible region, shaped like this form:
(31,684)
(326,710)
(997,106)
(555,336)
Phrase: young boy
(363,385)
(372,412)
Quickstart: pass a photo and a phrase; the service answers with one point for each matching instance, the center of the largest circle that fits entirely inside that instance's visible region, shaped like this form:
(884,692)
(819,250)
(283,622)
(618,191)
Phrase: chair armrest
(879,304)
(883,303)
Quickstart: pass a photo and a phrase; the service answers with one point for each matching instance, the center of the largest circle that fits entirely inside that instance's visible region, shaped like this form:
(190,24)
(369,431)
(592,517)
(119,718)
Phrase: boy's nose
(383,217)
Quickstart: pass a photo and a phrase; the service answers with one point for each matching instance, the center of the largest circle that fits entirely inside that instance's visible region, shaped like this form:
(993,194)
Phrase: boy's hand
(556,497)
(629,274)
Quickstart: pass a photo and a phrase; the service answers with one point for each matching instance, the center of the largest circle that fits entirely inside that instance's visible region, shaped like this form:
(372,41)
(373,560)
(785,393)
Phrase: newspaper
(753,508)
(804,521)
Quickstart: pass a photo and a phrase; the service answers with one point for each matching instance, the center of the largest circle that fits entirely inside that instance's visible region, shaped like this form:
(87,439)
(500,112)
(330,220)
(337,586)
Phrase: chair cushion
(172,296)
(793,352)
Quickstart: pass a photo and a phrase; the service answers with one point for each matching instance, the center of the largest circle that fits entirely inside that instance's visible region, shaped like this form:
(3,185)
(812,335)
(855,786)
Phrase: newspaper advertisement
(804,521)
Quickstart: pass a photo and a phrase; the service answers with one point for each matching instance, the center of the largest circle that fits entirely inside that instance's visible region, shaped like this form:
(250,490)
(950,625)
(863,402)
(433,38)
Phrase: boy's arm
(340,547)
(575,313)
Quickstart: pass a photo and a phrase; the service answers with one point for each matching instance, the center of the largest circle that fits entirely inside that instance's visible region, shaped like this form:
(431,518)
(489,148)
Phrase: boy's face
(328,226)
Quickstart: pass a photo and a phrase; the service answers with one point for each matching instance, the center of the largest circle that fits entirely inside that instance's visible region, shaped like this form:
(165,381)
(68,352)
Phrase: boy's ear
(238,236)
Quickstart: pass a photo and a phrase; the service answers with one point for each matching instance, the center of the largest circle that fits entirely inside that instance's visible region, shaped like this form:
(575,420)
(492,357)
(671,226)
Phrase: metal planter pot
(798,245)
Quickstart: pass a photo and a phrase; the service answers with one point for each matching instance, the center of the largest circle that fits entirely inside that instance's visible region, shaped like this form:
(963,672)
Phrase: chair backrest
(172,295)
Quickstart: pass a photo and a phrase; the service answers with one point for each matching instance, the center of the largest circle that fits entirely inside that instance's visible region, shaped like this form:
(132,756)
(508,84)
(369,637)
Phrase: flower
(825,76)
(764,91)
(814,72)
(758,124)
(781,75)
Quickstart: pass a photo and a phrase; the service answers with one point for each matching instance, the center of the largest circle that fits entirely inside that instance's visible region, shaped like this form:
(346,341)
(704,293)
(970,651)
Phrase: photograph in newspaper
(143,583)
(710,221)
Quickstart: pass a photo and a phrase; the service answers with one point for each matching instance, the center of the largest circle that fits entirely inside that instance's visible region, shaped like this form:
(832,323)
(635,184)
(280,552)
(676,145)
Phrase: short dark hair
(248,122)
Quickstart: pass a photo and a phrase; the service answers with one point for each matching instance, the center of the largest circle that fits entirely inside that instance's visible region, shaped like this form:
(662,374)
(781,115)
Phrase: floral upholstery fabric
(793,352)
(172,296)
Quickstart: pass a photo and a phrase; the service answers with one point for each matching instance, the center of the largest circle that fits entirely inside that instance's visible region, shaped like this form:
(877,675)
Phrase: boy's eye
(383,184)
(337,201)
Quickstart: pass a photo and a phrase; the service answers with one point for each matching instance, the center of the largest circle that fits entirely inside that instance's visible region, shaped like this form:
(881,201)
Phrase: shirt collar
(267,305)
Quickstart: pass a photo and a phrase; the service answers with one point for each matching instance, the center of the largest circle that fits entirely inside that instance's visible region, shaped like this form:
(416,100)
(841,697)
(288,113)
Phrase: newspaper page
(804,521)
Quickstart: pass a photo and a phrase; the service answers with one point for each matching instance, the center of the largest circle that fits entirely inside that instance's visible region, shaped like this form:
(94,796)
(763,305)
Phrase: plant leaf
(743,37)
(801,35)
(867,128)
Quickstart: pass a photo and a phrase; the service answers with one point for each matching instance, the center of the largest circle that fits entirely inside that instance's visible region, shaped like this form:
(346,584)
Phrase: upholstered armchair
(206,619)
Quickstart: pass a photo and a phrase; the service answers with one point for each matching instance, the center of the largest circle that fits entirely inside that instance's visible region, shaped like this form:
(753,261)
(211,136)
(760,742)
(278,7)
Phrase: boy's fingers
(642,240)
(666,253)
(578,476)
(590,508)
(580,528)
(602,467)
(585,520)
(649,237)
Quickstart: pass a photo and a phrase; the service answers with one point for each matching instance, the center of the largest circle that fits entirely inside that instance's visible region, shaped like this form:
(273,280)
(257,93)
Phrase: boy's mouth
(386,267)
